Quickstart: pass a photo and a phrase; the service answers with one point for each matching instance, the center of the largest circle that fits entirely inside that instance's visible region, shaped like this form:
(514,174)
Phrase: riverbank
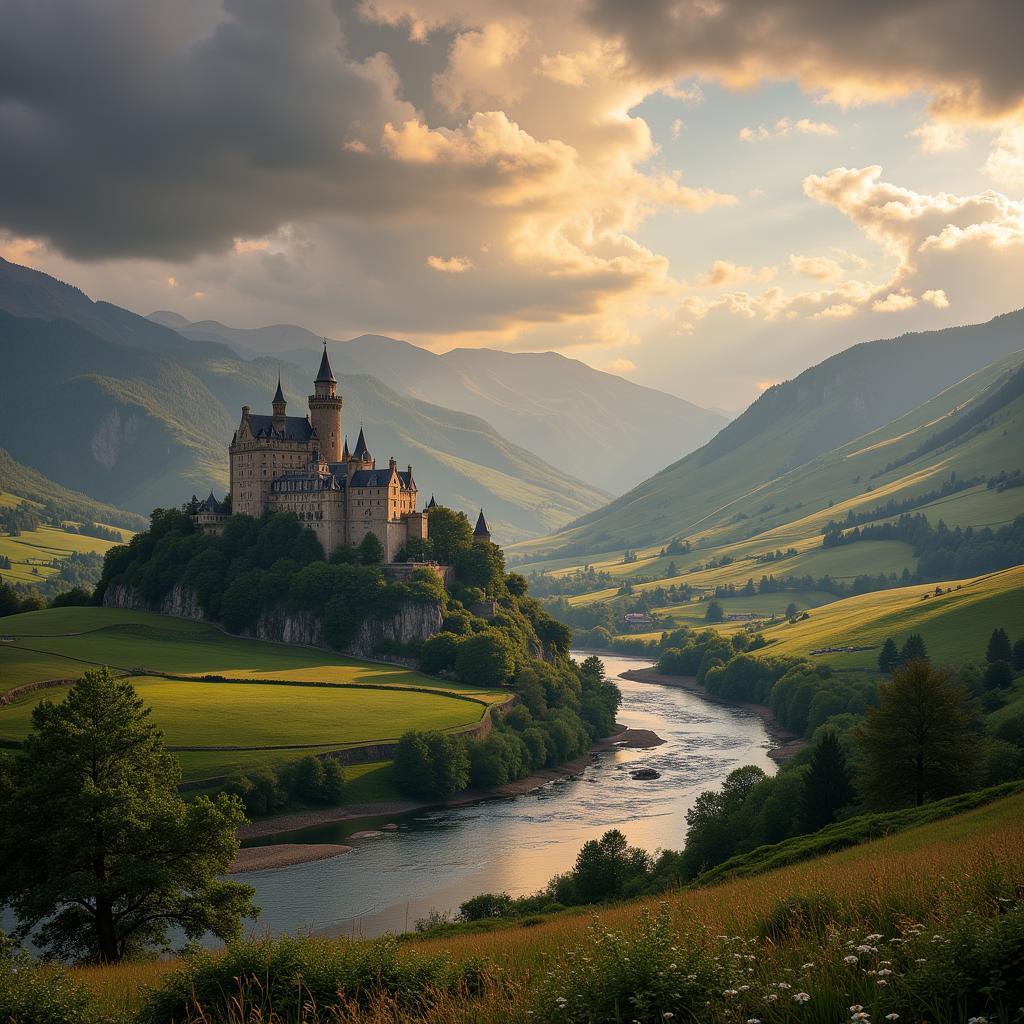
(278,824)
(785,744)
(283,855)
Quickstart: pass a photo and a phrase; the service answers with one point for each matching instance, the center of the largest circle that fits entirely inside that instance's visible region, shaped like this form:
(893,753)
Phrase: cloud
(839,311)
(939,136)
(724,272)
(821,268)
(677,128)
(966,57)
(935,297)
(1005,161)
(785,127)
(619,366)
(449,264)
(894,302)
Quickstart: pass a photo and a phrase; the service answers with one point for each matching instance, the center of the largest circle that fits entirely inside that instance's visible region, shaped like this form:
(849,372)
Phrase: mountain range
(593,425)
(134,414)
(794,447)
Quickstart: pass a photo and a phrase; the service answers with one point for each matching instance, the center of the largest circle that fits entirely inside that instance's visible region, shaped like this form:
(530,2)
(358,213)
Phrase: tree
(889,658)
(604,867)
(439,652)
(450,534)
(485,659)
(920,743)
(309,779)
(998,675)
(99,855)
(827,786)
(913,649)
(371,551)
(1018,655)
(999,648)
(791,610)
(715,612)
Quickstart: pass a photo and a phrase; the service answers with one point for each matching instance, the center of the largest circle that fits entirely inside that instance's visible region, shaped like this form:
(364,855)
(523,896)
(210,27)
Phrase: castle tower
(481,535)
(325,411)
(280,416)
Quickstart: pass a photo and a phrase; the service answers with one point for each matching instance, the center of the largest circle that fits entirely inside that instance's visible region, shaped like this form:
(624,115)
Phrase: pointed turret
(325,375)
(481,535)
(345,455)
(431,503)
(279,405)
(362,453)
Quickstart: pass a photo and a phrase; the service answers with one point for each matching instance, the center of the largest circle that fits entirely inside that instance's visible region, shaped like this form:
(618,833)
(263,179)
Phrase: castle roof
(480,530)
(325,373)
(431,503)
(380,478)
(279,394)
(296,428)
(210,505)
(345,451)
(361,449)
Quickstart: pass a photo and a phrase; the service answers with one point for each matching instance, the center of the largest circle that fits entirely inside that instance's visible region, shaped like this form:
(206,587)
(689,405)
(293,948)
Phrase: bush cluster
(309,780)
(561,709)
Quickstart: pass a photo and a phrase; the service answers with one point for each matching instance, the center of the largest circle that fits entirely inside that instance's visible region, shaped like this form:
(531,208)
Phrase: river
(437,859)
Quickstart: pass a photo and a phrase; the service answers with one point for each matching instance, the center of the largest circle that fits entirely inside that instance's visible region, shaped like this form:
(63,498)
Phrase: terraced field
(34,552)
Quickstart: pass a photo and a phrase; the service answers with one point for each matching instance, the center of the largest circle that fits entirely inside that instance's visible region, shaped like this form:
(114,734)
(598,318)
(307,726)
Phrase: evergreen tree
(913,649)
(999,648)
(828,786)
(998,675)
(920,743)
(715,612)
(889,658)
(1018,656)
(99,855)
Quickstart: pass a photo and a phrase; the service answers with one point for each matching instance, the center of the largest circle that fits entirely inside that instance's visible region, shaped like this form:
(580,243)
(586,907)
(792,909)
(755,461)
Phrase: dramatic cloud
(785,127)
(966,56)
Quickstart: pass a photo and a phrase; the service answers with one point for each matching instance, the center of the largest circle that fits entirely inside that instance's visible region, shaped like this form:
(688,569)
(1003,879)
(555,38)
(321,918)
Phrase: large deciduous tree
(99,855)
(921,742)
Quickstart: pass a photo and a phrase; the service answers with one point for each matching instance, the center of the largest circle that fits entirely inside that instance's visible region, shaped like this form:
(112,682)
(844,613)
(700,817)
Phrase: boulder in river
(643,774)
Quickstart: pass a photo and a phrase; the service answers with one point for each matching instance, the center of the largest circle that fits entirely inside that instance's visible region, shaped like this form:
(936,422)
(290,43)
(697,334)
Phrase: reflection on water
(435,860)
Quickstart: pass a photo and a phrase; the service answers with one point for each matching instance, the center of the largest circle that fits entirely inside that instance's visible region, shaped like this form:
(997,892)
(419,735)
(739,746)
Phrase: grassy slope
(955,625)
(915,870)
(39,549)
(61,643)
(791,511)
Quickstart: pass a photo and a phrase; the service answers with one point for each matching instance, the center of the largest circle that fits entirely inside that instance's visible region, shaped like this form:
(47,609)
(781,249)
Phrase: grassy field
(34,552)
(62,642)
(926,874)
(363,702)
(955,625)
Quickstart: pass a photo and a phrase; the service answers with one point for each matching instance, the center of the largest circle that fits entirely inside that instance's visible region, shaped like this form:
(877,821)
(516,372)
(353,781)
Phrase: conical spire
(361,452)
(344,450)
(279,394)
(325,373)
(480,530)
(431,503)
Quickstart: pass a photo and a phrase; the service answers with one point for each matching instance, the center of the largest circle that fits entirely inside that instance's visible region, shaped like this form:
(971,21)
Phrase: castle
(299,464)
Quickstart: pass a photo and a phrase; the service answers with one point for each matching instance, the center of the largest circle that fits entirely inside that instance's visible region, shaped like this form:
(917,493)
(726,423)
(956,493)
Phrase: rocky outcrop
(412,622)
(181,601)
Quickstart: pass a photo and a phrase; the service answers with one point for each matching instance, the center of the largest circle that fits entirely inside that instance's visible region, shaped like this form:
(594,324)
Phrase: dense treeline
(942,553)
(561,709)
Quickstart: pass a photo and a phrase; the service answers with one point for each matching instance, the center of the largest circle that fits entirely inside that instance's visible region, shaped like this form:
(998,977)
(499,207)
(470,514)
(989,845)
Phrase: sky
(704,196)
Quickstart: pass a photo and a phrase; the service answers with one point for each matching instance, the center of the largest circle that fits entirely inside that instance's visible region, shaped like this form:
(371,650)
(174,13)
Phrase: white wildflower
(801,997)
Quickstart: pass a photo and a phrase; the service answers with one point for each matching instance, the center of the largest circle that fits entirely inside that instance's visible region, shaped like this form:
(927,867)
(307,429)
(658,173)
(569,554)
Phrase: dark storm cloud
(169,129)
(965,53)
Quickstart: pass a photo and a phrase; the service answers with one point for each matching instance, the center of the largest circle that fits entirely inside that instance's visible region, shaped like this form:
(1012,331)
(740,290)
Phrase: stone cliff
(412,622)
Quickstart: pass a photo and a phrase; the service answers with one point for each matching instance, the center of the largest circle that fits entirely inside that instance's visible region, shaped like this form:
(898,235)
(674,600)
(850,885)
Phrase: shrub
(31,993)
(281,978)
(485,660)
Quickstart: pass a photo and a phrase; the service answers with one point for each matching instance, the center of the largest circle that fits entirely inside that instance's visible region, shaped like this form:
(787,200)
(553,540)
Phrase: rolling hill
(597,426)
(132,413)
(818,445)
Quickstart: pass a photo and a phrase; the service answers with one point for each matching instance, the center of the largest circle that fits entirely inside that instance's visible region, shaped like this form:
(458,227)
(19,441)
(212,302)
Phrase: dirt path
(785,744)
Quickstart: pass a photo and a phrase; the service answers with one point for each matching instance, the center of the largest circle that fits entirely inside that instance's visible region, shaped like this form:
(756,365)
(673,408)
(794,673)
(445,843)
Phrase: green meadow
(33,554)
(327,700)
(955,624)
